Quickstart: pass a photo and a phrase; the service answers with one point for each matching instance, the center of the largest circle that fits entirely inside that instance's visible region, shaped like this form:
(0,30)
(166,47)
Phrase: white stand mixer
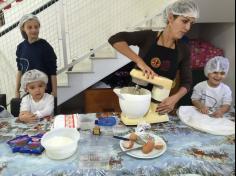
(161,90)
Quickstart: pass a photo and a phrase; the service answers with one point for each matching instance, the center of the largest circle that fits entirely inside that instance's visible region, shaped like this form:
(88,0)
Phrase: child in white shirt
(37,104)
(213,96)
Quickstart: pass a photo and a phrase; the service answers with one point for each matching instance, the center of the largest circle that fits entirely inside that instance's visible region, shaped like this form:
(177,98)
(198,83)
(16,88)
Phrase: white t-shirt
(43,108)
(212,97)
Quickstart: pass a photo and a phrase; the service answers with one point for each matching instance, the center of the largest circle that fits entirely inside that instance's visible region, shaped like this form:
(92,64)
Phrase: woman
(162,53)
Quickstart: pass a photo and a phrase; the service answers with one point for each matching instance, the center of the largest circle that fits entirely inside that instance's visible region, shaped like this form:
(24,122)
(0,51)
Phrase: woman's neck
(166,39)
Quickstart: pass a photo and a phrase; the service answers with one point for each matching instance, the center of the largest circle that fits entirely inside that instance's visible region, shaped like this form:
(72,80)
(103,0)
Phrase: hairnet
(217,64)
(187,8)
(26,18)
(33,76)
(22,22)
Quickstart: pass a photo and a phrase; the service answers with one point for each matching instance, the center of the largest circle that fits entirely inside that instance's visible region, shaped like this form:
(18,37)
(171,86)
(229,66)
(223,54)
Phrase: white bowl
(60,143)
(133,106)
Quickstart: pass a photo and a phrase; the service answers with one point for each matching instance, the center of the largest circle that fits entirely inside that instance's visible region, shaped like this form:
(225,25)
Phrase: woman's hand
(147,71)
(27,117)
(167,105)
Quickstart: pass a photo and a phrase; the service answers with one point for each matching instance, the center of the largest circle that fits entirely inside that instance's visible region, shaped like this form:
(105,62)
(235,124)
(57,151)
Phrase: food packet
(67,121)
(26,144)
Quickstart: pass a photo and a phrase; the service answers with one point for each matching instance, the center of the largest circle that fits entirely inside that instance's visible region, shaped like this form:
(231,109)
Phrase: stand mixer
(161,90)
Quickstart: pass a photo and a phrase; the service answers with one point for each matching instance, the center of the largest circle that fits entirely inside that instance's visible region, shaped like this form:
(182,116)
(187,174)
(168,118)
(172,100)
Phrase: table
(188,151)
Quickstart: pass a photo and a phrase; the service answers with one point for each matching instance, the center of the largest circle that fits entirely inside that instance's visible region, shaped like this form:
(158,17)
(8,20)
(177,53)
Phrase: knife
(139,140)
(126,151)
(121,138)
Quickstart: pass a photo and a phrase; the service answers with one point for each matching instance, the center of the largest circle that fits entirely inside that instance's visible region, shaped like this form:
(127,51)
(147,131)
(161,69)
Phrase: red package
(201,52)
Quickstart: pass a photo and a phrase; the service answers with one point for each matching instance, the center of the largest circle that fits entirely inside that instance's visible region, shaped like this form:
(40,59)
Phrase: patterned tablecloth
(188,152)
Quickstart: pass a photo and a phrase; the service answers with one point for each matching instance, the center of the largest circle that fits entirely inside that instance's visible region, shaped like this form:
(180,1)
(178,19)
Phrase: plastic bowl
(60,143)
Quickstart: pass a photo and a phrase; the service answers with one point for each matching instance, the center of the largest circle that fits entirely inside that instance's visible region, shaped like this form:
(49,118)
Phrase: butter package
(66,121)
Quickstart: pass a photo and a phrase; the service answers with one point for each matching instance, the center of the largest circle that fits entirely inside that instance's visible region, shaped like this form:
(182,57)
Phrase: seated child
(213,97)
(37,103)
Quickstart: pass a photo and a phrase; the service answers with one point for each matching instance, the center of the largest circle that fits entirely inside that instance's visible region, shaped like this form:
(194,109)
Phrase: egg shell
(159,145)
(128,144)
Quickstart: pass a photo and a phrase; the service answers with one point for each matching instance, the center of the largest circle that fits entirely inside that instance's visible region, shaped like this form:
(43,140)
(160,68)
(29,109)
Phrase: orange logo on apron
(155,62)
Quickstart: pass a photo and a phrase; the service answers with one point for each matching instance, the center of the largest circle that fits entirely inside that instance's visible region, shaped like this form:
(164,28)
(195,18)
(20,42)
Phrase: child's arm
(54,85)
(196,97)
(25,114)
(201,107)
(220,111)
(18,79)
(51,67)
(227,100)
(27,117)
(47,109)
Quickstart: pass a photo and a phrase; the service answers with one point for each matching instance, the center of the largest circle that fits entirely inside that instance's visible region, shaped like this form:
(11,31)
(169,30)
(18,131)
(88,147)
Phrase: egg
(133,137)
(148,147)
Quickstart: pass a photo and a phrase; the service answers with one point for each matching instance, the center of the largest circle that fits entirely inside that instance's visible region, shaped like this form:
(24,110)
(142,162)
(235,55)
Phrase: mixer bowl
(133,105)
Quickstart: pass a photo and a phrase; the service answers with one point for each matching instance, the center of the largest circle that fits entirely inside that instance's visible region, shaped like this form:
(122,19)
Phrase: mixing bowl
(60,143)
(133,103)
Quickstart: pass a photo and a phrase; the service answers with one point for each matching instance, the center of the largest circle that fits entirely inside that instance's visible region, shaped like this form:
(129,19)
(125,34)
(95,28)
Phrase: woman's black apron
(162,60)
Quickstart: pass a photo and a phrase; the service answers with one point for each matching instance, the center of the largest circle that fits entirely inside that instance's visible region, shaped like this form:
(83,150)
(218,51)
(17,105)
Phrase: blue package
(27,144)
(106,121)
(19,141)
(32,147)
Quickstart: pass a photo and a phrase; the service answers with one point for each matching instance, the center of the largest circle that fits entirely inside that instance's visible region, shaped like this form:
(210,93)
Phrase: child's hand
(204,110)
(27,117)
(218,114)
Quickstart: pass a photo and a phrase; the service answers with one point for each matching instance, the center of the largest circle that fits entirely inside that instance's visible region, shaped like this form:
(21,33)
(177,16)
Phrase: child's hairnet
(26,18)
(33,76)
(22,22)
(187,8)
(217,64)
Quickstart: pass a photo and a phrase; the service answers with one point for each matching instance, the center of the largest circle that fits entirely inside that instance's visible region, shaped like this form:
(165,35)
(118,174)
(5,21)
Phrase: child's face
(215,78)
(36,89)
(31,28)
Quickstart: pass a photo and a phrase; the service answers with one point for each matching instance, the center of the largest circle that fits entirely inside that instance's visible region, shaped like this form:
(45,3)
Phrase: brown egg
(133,137)
(148,147)
(159,145)
(128,144)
